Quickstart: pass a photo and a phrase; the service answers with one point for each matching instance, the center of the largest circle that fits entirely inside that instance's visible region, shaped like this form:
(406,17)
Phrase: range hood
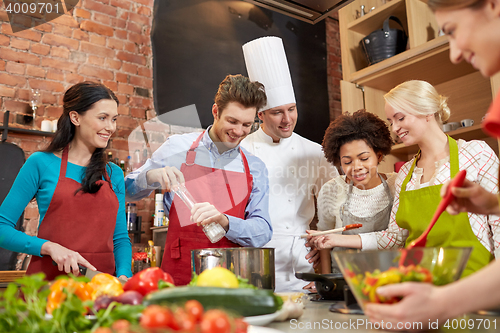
(311,11)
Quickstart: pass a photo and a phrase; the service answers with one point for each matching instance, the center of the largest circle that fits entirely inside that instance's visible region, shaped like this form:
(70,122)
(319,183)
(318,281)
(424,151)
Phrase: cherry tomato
(194,309)
(186,322)
(158,316)
(215,321)
(241,325)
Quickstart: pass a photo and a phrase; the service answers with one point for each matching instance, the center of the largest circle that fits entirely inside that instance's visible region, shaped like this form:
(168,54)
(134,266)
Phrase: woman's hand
(421,304)
(67,260)
(123,277)
(471,197)
(321,242)
(168,177)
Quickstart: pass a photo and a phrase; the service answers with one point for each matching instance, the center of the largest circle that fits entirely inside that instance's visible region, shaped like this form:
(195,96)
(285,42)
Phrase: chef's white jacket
(297,168)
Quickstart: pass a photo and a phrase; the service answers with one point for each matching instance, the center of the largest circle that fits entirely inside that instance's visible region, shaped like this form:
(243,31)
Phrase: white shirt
(297,169)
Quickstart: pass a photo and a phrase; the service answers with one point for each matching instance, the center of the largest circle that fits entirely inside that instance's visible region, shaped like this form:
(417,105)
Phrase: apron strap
(453,146)
(191,154)
(64,163)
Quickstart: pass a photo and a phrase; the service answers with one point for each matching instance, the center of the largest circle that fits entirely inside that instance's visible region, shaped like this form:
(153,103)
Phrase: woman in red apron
(80,197)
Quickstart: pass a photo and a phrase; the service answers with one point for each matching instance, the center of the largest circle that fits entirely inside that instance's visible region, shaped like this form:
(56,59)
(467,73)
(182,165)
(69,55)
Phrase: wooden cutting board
(10,276)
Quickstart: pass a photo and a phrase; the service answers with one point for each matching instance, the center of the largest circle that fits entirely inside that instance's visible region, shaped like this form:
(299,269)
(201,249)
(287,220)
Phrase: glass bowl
(364,271)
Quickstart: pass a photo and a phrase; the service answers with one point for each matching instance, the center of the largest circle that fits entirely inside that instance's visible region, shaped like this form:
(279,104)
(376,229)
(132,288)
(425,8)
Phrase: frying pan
(329,286)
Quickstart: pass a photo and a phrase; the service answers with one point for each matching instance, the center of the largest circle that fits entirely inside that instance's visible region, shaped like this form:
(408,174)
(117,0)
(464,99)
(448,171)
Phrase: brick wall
(99,40)
(334,65)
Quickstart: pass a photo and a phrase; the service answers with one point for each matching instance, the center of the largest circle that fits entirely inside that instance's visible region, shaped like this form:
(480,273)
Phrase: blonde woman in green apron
(356,143)
(416,111)
(473,29)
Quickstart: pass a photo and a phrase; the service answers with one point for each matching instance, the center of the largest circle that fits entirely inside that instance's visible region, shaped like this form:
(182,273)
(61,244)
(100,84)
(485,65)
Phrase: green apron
(417,207)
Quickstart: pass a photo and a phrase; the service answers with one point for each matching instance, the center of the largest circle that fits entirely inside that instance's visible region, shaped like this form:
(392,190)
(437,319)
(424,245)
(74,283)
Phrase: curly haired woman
(357,144)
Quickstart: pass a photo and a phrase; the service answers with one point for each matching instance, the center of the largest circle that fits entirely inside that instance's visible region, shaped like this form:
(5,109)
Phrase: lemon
(217,277)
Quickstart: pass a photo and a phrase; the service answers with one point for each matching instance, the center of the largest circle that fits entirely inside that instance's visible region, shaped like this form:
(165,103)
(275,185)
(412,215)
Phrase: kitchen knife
(88,272)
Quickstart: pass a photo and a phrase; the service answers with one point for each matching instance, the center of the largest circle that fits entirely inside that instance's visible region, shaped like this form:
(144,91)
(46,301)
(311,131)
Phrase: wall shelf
(429,62)
(5,129)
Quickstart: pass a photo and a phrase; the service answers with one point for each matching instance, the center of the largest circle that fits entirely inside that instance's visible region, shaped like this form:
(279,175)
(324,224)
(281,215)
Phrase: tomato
(215,321)
(241,325)
(186,322)
(155,316)
(194,309)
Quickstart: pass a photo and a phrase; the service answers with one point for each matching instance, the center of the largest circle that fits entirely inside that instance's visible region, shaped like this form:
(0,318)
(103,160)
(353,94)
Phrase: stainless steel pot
(254,264)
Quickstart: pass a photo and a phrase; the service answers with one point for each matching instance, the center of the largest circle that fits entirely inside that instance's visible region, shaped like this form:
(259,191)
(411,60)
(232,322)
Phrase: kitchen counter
(318,318)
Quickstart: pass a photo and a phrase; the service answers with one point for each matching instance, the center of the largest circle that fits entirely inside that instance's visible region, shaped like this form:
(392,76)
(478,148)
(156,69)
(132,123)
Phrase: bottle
(122,165)
(151,254)
(128,167)
(214,231)
(110,156)
(159,210)
(131,216)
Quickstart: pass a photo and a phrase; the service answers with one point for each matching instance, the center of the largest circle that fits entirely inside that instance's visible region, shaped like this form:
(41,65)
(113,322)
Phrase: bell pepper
(105,284)
(57,295)
(147,280)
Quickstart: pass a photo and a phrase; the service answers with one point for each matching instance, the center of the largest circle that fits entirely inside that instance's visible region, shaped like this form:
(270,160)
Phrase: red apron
(84,223)
(225,190)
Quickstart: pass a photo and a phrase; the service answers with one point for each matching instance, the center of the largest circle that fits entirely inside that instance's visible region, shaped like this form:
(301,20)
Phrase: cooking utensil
(254,264)
(329,286)
(88,272)
(331,231)
(457,181)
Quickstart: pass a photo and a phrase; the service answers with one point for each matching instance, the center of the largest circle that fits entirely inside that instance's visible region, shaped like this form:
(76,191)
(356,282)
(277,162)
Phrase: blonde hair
(419,98)
(454,4)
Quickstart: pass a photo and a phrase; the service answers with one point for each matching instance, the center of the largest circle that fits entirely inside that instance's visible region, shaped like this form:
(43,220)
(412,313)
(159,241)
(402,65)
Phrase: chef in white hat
(297,167)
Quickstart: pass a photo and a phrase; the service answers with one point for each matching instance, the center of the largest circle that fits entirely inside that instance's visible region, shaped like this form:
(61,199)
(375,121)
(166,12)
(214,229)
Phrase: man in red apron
(229,183)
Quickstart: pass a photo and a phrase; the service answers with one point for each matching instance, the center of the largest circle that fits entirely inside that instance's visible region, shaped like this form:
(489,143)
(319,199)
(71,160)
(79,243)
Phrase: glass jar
(131,216)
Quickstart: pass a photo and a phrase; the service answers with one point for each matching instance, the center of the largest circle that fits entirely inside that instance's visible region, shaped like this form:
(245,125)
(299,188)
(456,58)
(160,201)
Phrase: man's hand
(168,177)
(66,259)
(205,213)
(471,197)
(313,257)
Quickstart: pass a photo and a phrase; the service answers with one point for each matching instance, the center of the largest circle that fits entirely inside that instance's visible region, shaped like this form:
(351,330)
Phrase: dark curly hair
(361,125)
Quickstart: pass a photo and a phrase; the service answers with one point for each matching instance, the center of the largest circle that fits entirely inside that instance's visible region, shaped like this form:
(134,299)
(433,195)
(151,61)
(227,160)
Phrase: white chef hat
(266,62)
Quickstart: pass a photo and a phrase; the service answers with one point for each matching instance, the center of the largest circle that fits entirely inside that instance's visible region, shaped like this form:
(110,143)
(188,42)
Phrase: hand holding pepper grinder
(214,231)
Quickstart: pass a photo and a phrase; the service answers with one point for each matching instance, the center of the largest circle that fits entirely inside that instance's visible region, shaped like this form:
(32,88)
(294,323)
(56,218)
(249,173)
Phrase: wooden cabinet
(426,58)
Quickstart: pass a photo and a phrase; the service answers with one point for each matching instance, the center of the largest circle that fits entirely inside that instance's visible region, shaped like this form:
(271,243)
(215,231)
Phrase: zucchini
(240,301)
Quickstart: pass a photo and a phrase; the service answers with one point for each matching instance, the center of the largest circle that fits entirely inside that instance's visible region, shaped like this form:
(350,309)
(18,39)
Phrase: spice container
(214,231)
